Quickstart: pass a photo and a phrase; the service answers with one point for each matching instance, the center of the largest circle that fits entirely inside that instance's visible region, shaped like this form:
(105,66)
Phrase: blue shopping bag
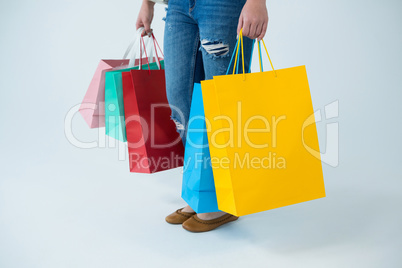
(198,188)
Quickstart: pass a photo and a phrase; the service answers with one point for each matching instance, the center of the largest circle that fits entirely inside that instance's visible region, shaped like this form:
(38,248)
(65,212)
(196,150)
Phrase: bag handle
(155,44)
(237,58)
(269,58)
(231,60)
(137,48)
(136,42)
(133,42)
(242,53)
(156,51)
(145,50)
(151,47)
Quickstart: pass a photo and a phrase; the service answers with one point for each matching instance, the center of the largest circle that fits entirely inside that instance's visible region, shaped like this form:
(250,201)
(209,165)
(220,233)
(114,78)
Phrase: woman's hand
(253,19)
(145,17)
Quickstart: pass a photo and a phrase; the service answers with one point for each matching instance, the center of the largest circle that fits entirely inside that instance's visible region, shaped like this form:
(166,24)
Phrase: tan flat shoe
(178,217)
(196,225)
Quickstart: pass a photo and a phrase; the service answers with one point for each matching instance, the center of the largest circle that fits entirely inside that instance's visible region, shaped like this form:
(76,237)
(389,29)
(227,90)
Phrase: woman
(200,36)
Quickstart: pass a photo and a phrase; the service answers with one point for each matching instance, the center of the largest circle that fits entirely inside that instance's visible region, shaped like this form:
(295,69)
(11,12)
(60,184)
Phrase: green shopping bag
(114,105)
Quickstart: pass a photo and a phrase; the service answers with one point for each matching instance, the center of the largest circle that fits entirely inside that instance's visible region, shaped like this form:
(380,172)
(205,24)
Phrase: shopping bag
(153,142)
(258,134)
(115,123)
(198,188)
(92,107)
(114,105)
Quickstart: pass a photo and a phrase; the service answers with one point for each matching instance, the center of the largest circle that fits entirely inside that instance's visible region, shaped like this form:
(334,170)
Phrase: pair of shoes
(196,225)
(178,217)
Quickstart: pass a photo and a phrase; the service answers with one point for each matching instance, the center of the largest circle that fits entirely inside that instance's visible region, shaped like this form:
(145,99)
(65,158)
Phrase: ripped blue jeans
(199,39)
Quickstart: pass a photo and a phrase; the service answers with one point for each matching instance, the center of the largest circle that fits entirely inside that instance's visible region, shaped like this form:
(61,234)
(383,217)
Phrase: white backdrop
(61,206)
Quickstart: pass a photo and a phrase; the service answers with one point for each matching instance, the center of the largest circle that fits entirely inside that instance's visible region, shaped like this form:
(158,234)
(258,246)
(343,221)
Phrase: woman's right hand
(145,17)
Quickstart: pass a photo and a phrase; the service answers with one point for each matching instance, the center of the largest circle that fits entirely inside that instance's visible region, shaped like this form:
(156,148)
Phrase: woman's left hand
(253,19)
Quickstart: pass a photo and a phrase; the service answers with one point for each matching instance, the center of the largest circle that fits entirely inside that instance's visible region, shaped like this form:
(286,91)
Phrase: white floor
(61,206)
(66,213)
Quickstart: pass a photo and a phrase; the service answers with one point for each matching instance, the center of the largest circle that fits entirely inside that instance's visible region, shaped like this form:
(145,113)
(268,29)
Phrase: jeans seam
(193,62)
(195,51)
(192,8)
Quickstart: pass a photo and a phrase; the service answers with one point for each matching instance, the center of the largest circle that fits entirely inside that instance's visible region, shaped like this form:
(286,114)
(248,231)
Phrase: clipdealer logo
(330,154)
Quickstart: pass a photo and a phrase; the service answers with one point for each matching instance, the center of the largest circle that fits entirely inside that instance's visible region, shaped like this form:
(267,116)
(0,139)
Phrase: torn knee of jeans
(179,126)
(215,48)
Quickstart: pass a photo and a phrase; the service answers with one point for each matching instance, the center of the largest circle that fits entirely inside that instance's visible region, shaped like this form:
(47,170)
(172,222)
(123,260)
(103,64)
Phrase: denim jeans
(199,39)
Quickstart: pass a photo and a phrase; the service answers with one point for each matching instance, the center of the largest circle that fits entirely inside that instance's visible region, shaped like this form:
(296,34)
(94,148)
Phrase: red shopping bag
(153,142)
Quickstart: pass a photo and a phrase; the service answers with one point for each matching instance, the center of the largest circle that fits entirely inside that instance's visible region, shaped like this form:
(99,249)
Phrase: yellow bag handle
(259,55)
(269,58)
(237,51)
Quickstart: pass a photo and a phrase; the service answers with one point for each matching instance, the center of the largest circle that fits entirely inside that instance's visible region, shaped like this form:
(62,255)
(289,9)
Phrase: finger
(258,30)
(246,27)
(263,31)
(147,28)
(240,24)
(252,32)
(139,24)
(143,33)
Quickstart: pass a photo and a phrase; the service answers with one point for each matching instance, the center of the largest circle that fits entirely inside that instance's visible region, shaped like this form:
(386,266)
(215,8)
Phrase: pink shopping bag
(92,107)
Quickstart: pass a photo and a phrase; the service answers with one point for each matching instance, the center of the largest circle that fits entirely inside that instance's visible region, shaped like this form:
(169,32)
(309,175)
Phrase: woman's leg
(182,61)
(217,21)
(183,64)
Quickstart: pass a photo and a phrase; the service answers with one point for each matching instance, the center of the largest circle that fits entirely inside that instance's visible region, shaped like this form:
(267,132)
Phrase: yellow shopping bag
(259,127)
